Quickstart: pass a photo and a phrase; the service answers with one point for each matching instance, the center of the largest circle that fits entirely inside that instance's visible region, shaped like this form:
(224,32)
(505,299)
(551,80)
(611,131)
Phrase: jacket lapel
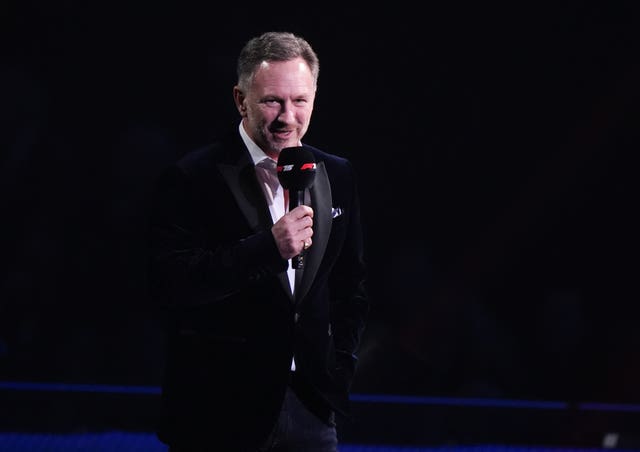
(321,202)
(242,181)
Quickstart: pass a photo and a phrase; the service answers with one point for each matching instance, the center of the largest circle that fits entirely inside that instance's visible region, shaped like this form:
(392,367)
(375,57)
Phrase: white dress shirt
(274,193)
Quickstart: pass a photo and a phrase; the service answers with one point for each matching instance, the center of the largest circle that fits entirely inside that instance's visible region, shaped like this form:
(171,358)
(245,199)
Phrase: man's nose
(287,114)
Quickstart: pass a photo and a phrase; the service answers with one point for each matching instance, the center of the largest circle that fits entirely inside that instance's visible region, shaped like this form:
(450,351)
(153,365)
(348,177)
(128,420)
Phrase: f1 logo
(304,167)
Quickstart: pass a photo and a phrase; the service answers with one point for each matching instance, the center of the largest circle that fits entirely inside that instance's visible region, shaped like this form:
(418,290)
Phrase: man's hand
(293,231)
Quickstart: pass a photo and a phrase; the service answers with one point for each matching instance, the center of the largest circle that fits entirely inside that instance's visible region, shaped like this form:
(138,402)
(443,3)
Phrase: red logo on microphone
(304,167)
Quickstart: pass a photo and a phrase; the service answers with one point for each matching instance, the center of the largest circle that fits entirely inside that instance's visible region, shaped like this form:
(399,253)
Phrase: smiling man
(260,354)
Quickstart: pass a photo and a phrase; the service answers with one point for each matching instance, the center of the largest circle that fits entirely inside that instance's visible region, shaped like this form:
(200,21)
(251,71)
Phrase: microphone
(296,170)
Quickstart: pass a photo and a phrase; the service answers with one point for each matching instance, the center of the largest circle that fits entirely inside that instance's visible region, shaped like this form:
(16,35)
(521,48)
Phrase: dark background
(494,145)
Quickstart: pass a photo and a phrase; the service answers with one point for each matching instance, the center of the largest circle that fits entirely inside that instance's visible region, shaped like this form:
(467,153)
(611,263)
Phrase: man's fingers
(302,211)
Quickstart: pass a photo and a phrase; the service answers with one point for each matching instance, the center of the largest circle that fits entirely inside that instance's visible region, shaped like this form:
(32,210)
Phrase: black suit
(233,324)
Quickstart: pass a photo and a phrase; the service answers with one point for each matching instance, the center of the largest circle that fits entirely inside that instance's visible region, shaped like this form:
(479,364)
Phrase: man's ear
(239,99)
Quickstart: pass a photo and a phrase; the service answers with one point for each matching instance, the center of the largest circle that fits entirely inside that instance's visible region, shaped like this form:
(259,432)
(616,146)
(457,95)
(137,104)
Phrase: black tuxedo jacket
(232,322)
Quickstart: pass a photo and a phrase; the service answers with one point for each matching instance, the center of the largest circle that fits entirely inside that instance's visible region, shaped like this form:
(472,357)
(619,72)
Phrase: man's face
(277,108)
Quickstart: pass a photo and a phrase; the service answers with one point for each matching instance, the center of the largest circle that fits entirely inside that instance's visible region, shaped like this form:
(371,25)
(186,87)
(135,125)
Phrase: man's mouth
(282,134)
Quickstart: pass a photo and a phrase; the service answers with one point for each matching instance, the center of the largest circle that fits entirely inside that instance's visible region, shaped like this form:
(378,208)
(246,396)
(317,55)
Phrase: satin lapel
(320,194)
(243,183)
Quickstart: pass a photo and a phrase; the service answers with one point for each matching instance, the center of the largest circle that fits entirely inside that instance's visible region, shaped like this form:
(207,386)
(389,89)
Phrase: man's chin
(280,146)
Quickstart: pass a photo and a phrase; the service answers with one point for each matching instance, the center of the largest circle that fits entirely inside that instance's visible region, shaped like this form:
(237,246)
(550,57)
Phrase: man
(260,356)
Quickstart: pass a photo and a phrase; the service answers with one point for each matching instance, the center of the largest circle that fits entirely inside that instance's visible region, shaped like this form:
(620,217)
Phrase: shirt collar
(257,154)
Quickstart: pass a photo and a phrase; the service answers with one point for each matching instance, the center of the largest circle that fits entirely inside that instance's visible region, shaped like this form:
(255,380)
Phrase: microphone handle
(296,198)
(297,262)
